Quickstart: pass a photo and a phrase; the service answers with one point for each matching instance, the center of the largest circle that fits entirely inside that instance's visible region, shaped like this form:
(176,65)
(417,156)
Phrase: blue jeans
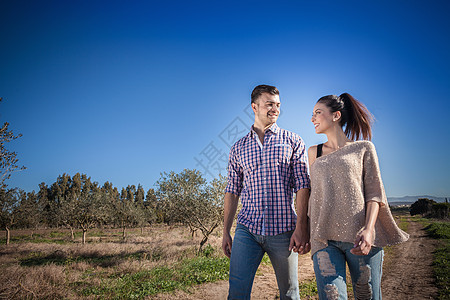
(365,271)
(246,253)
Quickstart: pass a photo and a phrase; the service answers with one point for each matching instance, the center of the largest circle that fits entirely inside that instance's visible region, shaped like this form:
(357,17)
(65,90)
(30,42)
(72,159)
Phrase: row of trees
(78,202)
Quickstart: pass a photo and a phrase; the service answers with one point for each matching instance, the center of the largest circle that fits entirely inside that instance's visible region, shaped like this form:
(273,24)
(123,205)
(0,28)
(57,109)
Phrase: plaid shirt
(265,177)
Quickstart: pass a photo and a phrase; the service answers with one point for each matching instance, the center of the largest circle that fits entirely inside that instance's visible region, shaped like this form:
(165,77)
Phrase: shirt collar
(273,128)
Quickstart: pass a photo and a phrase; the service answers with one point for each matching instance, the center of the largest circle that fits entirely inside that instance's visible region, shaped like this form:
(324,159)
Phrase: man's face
(266,109)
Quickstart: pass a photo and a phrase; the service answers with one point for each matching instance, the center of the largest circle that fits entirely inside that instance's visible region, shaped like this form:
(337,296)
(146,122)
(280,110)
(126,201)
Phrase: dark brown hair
(354,115)
(260,89)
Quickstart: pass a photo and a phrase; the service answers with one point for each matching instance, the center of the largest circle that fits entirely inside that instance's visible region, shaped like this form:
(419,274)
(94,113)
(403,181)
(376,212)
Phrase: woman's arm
(364,239)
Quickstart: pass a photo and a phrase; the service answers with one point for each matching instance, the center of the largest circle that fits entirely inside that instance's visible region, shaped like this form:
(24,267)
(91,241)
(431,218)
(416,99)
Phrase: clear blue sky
(124,90)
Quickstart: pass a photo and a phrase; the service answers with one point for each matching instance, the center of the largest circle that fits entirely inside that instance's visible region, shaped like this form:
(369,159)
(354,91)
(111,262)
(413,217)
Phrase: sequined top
(265,176)
(341,183)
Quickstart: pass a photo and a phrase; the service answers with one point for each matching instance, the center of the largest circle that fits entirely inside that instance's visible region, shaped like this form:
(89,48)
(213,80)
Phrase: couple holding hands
(340,212)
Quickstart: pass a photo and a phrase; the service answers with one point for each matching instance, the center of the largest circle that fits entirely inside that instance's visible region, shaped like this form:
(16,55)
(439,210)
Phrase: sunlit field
(48,264)
(160,260)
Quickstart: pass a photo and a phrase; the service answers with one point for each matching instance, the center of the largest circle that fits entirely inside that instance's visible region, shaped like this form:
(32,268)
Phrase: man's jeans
(246,254)
(365,270)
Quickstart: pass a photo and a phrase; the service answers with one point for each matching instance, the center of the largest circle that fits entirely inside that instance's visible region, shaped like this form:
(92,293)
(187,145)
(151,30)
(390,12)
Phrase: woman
(348,210)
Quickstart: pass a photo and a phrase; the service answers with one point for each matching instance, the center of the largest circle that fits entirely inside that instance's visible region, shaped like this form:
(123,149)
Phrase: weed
(208,251)
(266,260)
(308,288)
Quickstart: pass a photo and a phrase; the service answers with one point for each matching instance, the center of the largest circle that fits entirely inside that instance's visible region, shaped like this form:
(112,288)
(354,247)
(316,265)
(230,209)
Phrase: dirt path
(407,274)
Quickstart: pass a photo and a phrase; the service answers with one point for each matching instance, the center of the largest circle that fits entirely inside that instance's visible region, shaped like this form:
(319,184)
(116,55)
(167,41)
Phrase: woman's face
(322,118)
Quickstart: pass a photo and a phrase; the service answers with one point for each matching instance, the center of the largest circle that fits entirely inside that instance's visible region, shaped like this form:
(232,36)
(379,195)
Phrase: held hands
(300,241)
(363,242)
(227,242)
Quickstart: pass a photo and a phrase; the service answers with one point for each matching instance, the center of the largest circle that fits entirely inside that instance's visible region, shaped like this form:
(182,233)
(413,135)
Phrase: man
(265,167)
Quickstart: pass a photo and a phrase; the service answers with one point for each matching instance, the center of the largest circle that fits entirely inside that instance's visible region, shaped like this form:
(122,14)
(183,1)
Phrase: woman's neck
(337,138)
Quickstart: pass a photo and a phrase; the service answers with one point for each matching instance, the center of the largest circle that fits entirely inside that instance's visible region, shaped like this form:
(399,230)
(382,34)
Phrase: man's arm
(229,211)
(300,238)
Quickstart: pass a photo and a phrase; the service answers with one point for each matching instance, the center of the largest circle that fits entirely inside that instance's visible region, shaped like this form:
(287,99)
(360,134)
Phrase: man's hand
(363,242)
(300,241)
(227,242)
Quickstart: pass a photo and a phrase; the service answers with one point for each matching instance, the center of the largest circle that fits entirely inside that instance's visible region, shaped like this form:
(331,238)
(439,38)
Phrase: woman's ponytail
(358,119)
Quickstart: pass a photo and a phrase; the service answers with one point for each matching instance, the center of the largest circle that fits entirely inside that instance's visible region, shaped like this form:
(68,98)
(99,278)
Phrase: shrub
(422,206)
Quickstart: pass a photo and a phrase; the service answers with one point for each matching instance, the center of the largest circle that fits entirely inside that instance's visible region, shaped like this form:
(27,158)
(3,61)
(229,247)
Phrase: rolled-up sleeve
(300,166)
(235,174)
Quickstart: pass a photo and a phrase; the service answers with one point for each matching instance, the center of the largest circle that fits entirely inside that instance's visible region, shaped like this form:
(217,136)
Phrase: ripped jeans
(365,271)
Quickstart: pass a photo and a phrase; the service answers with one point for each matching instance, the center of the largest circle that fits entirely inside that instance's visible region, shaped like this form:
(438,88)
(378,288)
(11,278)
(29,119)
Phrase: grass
(403,223)
(161,259)
(439,230)
(441,260)
(308,288)
(144,283)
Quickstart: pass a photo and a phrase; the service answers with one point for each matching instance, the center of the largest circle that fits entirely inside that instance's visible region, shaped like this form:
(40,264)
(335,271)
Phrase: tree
(187,199)
(213,210)
(154,207)
(63,200)
(9,201)
(151,207)
(139,195)
(126,212)
(91,206)
(28,213)
(44,204)
(178,194)
(8,159)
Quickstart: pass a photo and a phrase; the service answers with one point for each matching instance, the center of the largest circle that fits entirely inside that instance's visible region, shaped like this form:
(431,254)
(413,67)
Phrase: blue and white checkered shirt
(265,177)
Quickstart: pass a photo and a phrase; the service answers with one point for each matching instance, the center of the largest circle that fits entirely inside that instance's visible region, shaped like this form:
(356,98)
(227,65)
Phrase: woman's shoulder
(312,148)
(312,154)
(364,144)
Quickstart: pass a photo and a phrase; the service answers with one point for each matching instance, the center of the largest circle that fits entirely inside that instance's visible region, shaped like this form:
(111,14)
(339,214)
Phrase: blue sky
(124,90)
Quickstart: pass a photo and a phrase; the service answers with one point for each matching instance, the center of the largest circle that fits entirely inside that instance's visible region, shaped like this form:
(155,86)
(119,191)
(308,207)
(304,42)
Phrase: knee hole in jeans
(362,288)
(326,267)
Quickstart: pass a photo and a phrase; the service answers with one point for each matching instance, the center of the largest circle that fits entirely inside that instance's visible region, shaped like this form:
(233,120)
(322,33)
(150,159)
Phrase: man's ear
(254,105)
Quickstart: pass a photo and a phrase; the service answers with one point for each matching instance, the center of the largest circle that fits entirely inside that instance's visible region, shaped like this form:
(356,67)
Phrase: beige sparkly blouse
(341,183)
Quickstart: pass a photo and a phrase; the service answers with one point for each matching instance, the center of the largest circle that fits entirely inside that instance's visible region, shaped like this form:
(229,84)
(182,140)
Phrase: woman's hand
(364,239)
(363,242)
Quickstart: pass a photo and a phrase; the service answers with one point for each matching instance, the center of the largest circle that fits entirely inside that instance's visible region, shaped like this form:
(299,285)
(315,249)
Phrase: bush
(422,206)
(440,210)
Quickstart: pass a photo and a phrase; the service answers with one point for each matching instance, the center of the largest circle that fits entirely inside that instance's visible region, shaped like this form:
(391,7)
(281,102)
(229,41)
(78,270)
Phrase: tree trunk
(206,234)
(84,236)
(123,232)
(204,240)
(8,235)
(71,233)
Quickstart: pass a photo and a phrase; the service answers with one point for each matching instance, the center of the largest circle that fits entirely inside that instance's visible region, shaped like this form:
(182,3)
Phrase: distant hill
(407,200)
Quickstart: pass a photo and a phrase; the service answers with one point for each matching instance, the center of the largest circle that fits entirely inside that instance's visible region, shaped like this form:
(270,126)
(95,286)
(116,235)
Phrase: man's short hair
(260,89)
